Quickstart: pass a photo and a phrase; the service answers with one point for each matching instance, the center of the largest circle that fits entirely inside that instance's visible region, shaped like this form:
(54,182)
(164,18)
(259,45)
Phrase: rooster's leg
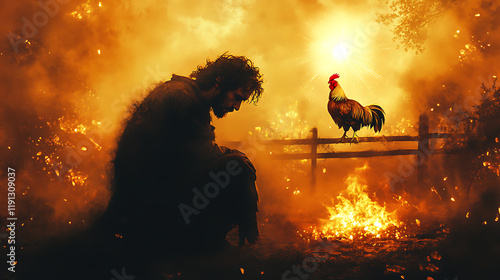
(354,137)
(343,137)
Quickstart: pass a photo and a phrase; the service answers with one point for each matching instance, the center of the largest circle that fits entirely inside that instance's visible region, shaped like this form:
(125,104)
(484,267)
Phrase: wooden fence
(422,152)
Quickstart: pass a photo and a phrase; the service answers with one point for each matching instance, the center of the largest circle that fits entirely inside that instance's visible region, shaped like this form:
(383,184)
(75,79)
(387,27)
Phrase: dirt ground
(437,252)
(455,251)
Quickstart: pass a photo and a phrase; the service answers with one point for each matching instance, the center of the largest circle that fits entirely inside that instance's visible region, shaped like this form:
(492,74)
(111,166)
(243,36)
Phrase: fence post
(314,157)
(423,147)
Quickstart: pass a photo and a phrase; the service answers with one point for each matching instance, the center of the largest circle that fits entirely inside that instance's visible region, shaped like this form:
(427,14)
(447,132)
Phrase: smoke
(460,55)
(70,71)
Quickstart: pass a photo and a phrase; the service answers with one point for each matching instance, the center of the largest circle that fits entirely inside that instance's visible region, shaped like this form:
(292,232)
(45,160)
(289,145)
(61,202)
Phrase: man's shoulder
(180,84)
(179,88)
(183,80)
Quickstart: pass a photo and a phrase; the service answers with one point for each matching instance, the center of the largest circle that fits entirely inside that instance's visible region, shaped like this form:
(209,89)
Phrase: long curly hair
(230,72)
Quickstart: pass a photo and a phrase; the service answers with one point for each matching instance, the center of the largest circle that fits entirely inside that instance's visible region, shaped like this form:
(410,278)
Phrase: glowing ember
(85,9)
(402,127)
(356,216)
(287,125)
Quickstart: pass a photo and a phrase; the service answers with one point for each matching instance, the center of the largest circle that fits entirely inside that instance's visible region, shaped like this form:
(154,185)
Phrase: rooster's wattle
(347,113)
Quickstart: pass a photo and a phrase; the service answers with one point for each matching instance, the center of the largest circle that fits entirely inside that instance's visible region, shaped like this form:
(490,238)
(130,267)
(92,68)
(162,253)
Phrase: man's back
(168,136)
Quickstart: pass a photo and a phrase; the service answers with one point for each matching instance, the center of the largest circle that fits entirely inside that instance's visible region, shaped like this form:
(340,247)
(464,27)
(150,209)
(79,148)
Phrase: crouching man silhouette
(174,189)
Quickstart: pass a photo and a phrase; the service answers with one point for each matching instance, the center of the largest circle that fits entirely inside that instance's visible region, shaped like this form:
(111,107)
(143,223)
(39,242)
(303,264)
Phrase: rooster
(347,113)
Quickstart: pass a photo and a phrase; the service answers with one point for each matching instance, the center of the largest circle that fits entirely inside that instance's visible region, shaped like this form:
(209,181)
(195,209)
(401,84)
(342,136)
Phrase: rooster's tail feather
(378,117)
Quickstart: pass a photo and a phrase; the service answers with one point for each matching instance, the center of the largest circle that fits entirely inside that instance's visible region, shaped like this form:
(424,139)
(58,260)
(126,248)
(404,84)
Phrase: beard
(217,108)
(219,112)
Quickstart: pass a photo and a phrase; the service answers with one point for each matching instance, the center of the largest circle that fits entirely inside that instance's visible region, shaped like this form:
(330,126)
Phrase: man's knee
(234,169)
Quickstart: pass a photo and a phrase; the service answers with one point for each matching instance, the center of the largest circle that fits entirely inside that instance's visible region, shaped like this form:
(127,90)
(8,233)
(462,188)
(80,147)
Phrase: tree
(412,19)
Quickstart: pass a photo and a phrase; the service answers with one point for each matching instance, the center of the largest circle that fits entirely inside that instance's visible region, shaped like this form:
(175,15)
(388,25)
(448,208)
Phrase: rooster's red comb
(333,77)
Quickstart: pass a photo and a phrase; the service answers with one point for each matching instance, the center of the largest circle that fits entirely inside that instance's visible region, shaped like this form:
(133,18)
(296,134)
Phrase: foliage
(483,121)
(480,162)
(412,19)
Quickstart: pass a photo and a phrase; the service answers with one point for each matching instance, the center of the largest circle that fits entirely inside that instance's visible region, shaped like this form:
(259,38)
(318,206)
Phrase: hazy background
(68,78)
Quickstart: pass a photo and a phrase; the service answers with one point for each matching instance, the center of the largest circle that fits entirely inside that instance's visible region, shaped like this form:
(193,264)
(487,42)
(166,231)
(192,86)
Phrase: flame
(356,215)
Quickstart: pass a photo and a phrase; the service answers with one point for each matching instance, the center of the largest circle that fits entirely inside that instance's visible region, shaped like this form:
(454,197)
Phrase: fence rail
(422,152)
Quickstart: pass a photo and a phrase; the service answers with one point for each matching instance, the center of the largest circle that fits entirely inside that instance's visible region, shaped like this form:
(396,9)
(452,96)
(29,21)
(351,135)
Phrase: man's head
(234,79)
